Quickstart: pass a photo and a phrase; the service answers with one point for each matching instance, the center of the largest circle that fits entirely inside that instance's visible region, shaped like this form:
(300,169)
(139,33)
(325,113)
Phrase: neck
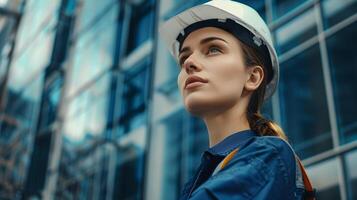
(223,124)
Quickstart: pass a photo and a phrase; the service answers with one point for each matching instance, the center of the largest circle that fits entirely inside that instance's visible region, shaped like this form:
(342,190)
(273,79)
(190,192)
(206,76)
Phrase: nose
(190,65)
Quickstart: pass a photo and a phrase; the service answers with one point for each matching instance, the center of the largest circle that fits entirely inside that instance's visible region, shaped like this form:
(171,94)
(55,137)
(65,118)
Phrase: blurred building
(89,107)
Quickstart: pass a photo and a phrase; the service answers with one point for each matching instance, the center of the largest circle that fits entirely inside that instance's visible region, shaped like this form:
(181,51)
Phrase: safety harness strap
(310,192)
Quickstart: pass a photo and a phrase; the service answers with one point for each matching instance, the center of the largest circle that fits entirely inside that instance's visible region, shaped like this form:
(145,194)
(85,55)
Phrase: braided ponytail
(257,122)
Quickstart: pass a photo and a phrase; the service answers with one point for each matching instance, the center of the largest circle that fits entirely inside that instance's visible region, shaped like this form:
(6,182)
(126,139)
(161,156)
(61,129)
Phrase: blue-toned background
(89,106)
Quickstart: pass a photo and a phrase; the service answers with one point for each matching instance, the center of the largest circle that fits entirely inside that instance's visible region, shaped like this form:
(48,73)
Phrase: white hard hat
(248,26)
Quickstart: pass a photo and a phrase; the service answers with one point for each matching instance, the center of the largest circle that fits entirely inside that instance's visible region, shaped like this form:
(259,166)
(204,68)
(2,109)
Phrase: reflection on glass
(30,61)
(296,31)
(324,178)
(83,174)
(17,127)
(341,48)
(351,161)
(39,15)
(335,11)
(93,52)
(87,113)
(23,105)
(90,10)
(281,7)
(4,3)
(304,113)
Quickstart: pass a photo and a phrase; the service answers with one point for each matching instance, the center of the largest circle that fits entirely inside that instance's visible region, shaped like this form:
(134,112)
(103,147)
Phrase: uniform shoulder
(274,142)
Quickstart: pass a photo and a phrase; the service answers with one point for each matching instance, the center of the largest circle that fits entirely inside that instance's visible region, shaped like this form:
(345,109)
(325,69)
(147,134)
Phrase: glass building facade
(89,106)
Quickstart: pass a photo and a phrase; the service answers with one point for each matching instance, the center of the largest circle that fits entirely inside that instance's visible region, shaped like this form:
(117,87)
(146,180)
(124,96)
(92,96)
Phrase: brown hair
(257,122)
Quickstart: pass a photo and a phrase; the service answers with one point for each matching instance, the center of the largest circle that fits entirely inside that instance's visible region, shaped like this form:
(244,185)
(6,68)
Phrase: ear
(255,77)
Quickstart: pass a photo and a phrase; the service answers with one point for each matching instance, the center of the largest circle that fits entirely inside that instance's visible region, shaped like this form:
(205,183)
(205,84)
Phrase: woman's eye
(213,50)
(182,60)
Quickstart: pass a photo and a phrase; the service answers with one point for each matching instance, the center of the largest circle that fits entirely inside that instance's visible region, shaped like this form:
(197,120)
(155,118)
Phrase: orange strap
(228,158)
(309,191)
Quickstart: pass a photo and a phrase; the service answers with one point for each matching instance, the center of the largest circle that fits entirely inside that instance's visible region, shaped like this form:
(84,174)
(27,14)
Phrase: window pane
(92,9)
(289,36)
(39,15)
(281,7)
(141,26)
(183,151)
(351,160)
(335,11)
(133,99)
(31,60)
(24,105)
(258,5)
(87,113)
(93,51)
(324,178)
(173,156)
(51,99)
(343,60)
(304,111)
(128,176)
(198,142)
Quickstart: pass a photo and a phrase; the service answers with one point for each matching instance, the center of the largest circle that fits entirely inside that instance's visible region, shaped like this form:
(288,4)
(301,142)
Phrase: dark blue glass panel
(289,36)
(343,62)
(128,175)
(133,99)
(173,156)
(50,102)
(141,26)
(303,103)
(281,7)
(335,11)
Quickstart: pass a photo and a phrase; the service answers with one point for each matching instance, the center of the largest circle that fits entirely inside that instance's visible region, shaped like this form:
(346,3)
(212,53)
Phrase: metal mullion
(290,15)
(9,12)
(330,100)
(337,27)
(275,100)
(269,11)
(298,49)
(185,145)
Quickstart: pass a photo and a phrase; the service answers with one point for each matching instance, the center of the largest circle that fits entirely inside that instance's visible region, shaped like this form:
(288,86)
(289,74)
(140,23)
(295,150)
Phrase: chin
(198,105)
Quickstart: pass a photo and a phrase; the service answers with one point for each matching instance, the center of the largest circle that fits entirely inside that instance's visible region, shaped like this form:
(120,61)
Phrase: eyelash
(183,58)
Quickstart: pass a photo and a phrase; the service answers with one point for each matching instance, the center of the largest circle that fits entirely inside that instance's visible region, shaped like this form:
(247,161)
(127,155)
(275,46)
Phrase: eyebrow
(205,40)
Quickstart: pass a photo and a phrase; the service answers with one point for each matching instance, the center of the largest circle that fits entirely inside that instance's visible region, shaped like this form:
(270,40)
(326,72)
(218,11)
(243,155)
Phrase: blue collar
(231,142)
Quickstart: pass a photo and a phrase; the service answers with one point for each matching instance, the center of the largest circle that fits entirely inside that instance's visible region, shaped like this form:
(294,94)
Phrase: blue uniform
(263,168)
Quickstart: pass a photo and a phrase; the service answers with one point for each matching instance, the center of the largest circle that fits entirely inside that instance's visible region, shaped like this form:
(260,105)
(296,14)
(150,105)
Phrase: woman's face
(211,61)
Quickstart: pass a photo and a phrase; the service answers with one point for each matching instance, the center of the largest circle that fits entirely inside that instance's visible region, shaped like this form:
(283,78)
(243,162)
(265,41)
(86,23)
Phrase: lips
(193,79)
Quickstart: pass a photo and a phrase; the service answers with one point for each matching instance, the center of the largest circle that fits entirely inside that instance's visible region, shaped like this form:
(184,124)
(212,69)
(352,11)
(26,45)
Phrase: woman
(228,68)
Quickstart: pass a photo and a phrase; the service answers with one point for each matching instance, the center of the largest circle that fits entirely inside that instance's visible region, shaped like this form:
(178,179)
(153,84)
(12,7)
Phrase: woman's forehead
(207,32)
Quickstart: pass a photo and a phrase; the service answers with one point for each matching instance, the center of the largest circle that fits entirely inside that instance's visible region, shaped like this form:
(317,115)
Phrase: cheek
(230,76)
(180,81)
